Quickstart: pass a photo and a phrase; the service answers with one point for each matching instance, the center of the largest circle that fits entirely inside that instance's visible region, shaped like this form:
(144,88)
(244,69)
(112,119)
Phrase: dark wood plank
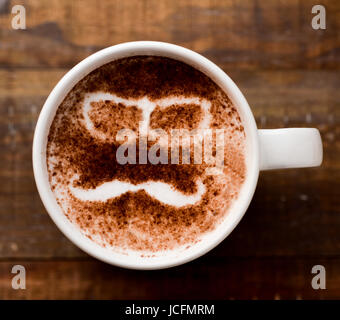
(294,212)
(24,224)
(238,34)
(245,278)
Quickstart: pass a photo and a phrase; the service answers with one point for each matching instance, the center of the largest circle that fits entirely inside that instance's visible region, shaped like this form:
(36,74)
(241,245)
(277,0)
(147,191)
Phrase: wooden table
(290,74)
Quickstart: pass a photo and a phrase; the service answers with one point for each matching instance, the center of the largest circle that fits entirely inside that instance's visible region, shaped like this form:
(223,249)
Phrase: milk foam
(146,105)
(161,217)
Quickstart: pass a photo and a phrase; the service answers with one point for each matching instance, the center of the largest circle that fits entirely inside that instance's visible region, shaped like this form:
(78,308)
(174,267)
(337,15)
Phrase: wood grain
(247,278)
(290,75)
(233,33)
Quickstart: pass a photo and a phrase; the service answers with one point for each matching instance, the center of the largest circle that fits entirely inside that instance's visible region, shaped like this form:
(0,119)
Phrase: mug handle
(290,148)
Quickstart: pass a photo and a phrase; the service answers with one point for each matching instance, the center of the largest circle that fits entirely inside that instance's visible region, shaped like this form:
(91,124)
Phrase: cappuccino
(146,153)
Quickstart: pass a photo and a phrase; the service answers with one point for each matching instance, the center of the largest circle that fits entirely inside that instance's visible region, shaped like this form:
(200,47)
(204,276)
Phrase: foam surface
(146,105)
(143,207)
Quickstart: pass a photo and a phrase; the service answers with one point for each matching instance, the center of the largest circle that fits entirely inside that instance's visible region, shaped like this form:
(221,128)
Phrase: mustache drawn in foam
(163,192)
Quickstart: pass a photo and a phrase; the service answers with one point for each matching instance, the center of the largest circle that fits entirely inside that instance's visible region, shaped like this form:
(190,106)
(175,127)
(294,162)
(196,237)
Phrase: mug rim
(91,63)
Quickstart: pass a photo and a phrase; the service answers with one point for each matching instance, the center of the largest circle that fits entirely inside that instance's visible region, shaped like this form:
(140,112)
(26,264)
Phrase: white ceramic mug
(265,149)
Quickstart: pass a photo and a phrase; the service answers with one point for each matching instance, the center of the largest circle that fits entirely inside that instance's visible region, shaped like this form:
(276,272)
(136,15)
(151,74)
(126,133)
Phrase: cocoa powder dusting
(82,159)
